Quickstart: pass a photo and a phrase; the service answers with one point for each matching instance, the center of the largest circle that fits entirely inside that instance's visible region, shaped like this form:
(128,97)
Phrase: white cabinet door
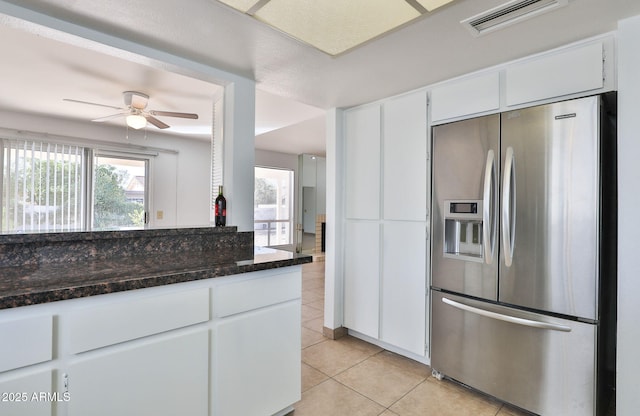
(29,395)
(463,97)
(404,283)
(362,162)
(164,377)
(256,357)
(567,72)
(405,157)
(362,277)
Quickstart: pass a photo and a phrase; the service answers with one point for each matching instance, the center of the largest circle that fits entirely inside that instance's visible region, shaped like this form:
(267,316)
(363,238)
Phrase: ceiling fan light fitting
(136,121)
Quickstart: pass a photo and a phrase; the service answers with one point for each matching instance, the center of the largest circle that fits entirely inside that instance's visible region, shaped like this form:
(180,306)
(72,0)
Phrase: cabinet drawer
(246,295)
(100,326)
(25,342)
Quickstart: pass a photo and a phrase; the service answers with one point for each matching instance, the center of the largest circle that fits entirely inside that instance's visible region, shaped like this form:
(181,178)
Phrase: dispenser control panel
(463,207)
(463,227)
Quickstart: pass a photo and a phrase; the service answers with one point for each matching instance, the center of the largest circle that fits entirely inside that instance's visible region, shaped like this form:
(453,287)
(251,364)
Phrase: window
(43,187)
(273,207)
(52,187)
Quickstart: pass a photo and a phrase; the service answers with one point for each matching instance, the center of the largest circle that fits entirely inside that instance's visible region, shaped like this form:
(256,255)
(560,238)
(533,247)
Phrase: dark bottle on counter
(221,209)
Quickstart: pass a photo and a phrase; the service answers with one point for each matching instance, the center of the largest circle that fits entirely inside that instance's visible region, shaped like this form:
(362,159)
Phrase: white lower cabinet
(163,377)
(214,347)
(256,357)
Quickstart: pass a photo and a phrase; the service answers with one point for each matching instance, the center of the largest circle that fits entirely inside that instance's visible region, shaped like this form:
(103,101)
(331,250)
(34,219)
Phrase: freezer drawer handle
(506,318)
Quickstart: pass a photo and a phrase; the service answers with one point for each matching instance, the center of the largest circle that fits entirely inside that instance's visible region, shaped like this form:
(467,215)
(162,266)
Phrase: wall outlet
(159,215)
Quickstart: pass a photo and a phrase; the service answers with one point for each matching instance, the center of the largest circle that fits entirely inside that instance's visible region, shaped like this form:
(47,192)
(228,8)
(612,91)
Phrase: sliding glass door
(273,207)
(120,198)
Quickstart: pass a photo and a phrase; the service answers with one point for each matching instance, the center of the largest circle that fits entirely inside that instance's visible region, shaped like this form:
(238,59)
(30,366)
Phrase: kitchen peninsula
(165,321)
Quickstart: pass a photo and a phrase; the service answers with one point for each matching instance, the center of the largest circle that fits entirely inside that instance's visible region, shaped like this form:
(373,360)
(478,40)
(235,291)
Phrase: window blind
(217,151)
(43,186)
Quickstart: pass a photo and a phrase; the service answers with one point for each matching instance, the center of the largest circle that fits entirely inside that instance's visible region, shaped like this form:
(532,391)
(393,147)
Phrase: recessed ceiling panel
(335,26)
(431,5)
(242,5)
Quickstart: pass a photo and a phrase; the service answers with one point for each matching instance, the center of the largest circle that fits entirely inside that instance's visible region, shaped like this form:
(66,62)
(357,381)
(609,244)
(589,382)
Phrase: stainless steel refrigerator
(524,255)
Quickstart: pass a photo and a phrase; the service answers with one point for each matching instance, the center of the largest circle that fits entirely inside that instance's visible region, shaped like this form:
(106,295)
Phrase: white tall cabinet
(386,223)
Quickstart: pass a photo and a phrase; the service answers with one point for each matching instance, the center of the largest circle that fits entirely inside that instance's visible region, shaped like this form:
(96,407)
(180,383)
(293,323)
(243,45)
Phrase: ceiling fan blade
(87,102)
(159,124)
(111,117)
(174,114)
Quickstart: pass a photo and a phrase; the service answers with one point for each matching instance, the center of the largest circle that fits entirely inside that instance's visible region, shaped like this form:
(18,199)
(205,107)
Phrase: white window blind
(217,151)
(43,186)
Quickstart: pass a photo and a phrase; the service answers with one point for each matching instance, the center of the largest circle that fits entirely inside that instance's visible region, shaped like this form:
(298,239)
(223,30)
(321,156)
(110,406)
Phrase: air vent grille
(509,13)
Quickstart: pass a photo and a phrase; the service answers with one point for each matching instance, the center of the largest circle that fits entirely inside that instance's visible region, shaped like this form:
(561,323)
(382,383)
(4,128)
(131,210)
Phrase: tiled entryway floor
(350,377)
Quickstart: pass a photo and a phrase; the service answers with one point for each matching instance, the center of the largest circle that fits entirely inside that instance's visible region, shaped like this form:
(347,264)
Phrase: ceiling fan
(135,111)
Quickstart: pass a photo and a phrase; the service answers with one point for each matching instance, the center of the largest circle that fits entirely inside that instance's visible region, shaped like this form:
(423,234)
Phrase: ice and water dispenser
(463,230)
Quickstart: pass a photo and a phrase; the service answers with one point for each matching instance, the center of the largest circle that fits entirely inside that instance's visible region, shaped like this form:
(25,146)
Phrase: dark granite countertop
(42,283)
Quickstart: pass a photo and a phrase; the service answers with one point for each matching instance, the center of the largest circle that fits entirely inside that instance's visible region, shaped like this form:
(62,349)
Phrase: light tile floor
(350,377)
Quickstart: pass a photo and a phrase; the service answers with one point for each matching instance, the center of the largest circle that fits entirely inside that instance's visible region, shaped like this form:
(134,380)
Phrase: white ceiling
(292,77)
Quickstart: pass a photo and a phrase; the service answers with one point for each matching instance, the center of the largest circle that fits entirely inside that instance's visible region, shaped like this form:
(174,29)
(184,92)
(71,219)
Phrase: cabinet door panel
(362,277)
(362,162)
(404,285)
(568,72)
(405,157)
(467,96)
(167,377)
(257,361)
(17,395)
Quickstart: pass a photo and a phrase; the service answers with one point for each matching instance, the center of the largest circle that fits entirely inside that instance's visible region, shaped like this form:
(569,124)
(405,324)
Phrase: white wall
(180,176)
(268,159)
(333,269)
(628,362)
(239,152)
(192,180)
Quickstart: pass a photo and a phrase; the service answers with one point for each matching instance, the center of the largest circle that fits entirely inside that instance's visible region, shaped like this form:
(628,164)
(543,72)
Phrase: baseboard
(334,334)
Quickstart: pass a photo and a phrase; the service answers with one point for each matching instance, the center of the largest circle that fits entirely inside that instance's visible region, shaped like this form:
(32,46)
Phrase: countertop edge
(105,287)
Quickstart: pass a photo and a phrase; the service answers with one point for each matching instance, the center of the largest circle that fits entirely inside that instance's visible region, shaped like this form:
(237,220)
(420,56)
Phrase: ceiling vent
(509,13)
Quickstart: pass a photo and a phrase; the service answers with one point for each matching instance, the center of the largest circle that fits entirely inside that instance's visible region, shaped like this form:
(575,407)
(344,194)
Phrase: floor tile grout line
(385,408)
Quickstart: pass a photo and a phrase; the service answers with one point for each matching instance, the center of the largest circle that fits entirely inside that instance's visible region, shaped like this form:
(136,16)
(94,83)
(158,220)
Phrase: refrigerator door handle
(506,318)
(509,207)
(488,208)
